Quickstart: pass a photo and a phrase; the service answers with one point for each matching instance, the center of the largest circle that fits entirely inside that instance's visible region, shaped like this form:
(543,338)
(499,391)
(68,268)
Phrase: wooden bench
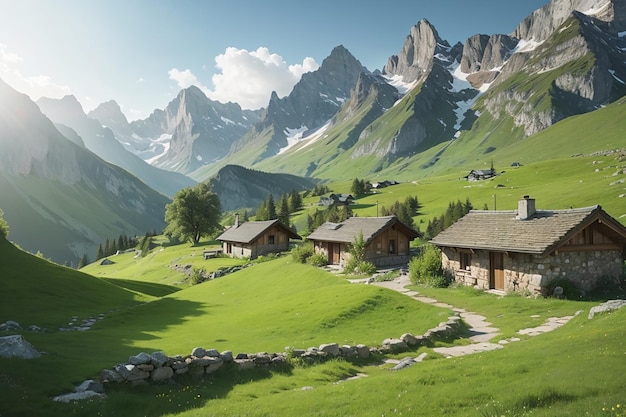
(208,254)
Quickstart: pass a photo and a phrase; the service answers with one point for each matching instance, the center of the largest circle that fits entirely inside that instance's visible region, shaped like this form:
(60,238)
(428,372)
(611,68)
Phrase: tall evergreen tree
(100,252)
(261,212)
(283,210)
(295,201)
(271,208)
(84,260)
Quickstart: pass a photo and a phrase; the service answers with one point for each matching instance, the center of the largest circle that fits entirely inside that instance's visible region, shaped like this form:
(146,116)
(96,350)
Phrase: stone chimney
(526,208)
(236,220)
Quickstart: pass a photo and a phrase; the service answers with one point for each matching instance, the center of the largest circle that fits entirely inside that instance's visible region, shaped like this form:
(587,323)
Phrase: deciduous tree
(194,213)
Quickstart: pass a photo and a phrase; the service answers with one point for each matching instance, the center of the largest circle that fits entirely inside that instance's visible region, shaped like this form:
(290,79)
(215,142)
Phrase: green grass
(574,370)
(157,266)
(265,307)
(35,291)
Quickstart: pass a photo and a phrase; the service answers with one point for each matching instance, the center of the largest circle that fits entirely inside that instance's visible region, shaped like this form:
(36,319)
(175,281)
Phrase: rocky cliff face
(102,141)
(576,69)
(193,130)
(415,60)
(51,187)
(314,100)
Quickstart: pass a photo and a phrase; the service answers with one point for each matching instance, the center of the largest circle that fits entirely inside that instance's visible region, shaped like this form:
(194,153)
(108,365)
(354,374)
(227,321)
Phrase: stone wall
(527,272)
(161,368)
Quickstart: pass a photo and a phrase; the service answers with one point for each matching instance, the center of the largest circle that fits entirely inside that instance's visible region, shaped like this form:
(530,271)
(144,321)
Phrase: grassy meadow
(271,305)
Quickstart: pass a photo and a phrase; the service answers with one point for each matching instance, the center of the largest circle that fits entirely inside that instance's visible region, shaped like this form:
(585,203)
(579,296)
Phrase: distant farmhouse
(387,240)
(336,200)
(253,239)
(480,174)
(383,184)
(528,248)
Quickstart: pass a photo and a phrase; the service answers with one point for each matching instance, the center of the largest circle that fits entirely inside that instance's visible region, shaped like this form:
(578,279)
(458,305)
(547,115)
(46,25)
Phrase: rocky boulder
(15,346)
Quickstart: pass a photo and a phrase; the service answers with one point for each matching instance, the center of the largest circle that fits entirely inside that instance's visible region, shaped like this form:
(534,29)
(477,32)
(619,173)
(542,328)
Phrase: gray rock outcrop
(15,346)
(606,307)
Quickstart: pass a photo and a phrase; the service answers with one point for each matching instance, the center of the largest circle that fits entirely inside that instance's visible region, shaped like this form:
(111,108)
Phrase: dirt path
(481,332)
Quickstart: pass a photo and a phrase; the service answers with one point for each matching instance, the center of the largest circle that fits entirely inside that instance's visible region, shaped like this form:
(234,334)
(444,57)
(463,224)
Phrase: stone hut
(528,248)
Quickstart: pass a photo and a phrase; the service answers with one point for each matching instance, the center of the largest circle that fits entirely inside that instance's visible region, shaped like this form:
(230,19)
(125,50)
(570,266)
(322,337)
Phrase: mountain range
(57,196)
(432,108)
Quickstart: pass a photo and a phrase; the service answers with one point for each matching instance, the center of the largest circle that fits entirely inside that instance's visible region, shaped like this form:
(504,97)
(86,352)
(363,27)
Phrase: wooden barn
(253,239)
(387,240)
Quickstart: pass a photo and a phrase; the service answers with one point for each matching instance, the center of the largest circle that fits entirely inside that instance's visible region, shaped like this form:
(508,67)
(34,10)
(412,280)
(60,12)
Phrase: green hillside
(280,303)
(48,295)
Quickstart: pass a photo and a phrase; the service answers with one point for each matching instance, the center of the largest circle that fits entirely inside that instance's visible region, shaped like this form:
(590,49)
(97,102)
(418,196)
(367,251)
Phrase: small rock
(158,359)
(77,396)
(198,352)
(141,359)
(330,348)
(90,385)
(162,374)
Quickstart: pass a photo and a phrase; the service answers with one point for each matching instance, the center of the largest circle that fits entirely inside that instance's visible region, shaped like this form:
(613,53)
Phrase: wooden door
(496,270)
(334,253)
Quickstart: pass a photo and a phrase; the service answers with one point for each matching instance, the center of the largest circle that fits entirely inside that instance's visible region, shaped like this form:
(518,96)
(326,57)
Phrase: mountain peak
(68,105)
(417,55)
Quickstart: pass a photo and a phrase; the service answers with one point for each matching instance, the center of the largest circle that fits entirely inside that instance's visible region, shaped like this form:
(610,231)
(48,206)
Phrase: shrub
(302,253)
(197,275)
(570,290)
(426,269)
(317,259)
(365,268)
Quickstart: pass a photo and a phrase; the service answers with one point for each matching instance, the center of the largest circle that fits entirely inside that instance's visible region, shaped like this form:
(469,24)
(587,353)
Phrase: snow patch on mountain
(297,136)
(164,140)
(460,83)
(597,9)
(526,46)
(396,81)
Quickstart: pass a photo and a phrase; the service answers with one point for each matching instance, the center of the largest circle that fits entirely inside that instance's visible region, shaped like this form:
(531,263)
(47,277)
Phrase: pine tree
(261,212)
(100,252)
(271,208)
(84,260)
(283,211)
(295,201)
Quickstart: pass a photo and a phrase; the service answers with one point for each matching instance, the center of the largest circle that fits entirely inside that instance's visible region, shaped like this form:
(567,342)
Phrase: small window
(466,260)
(270,239)
(392,247)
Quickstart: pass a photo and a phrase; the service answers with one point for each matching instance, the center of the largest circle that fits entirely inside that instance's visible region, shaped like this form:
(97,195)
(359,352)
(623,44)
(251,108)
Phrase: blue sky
(142,52)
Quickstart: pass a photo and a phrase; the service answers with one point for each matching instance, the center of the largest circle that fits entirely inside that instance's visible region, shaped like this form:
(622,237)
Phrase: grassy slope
(35,291)
(256,309)
(157,265)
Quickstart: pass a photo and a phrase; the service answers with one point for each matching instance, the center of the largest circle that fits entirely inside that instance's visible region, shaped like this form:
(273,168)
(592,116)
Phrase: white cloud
(184,79)
(35,86)
(248,77)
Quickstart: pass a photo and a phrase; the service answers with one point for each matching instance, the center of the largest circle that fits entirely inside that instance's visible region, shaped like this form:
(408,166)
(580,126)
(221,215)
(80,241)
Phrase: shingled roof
(542,233)
(348,230)
(249,231)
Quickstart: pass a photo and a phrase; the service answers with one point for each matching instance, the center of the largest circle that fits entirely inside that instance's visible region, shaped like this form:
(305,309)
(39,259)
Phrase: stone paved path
(481,331)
